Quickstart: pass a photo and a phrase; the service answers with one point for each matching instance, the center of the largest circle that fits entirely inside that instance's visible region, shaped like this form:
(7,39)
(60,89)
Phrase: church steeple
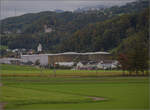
(39,48)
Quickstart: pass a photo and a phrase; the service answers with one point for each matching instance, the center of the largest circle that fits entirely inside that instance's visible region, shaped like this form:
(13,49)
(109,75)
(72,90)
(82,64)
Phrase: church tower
(39,48)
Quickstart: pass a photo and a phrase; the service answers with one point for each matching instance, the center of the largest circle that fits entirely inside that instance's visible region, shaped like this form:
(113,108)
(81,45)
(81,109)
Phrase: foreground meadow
(73,93)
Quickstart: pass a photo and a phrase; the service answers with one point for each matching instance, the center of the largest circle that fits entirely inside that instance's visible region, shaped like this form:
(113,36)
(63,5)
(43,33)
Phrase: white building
(47,29)
(68,64)
(100,65)
(82,65)
(43,58)
(79,65)
(107,64)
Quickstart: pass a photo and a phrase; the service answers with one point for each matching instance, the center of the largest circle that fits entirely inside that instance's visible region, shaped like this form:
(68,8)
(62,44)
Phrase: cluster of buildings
(21,51)
(47,29)
(89,60)
(17,52)
(106,64)
(74,60)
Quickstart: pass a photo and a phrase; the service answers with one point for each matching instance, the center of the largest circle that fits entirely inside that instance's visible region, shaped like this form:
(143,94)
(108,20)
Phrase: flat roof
(69,53)
(10,59)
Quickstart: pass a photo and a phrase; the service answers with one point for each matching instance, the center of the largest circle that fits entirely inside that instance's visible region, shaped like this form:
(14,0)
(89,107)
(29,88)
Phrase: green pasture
(15,70)
(43,93)
(34,89)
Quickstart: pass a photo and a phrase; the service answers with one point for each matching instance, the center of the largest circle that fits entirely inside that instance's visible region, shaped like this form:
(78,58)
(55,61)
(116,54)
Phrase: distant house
(47,29)
(115,64)
(86,65)
(107,64)
(79,65)
(100,65)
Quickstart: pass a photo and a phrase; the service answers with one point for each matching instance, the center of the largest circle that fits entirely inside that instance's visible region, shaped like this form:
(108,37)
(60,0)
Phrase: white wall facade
(33,58)
(44,59)
(9,60)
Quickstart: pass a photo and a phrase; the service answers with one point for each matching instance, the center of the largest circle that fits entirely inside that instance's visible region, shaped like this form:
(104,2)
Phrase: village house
(47,29)
(81,65)
(106,64)
(100,65)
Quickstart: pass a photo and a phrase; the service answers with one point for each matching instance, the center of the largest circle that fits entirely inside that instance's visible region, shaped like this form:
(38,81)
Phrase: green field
(72,93)
(14,70)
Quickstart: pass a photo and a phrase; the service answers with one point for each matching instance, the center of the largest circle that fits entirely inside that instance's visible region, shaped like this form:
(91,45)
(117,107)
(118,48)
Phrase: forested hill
(67,21)
(70,31)
(104,36)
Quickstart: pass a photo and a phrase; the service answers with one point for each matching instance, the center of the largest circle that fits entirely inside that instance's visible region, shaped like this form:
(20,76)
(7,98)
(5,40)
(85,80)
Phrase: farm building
(66,58)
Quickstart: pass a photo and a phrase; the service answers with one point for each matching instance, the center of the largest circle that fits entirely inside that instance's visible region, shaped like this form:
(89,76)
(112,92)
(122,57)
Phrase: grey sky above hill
(18,7)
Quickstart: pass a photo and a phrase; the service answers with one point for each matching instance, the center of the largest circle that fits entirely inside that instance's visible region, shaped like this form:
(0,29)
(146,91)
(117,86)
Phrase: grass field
(61,93)
(14,70)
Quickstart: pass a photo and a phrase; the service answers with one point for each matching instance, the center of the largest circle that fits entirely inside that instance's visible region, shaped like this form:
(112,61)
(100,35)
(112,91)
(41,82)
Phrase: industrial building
(100,60)
(66,57)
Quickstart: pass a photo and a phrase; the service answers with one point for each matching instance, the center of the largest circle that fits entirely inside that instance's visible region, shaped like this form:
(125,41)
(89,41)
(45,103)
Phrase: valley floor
(44,93)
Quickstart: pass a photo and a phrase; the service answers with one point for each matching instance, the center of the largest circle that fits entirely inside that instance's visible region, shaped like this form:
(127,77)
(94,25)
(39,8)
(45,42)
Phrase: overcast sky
(19,7)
